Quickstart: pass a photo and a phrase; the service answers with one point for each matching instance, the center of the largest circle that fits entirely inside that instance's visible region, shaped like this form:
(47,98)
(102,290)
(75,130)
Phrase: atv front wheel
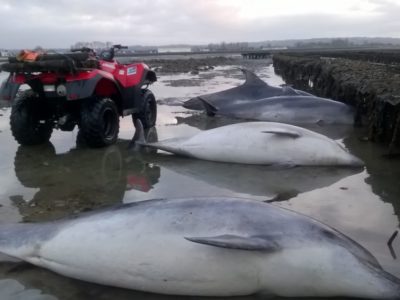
(28,121)
(148,113)
(99,124)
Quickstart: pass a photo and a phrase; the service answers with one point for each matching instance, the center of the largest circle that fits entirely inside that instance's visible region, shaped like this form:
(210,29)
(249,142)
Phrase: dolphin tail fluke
(211,110)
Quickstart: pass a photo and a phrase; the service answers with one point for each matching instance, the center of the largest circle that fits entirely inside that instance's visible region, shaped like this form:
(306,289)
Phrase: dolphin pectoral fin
(284,133)
(210,109)
(237,242)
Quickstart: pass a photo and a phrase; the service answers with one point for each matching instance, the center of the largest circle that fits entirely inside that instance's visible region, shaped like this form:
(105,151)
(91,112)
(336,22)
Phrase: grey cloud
(28,23)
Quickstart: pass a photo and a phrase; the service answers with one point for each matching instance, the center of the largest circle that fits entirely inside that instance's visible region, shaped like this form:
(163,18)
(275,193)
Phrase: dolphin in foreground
(260,143)
(287,109)
(252,89)
(203,247)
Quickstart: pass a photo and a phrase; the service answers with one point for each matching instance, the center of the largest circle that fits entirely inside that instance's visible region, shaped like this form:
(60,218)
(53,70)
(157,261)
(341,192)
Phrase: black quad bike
(77,88)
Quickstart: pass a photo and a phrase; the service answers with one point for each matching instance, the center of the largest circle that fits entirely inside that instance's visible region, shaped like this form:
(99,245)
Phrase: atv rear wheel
(99,124)
(148,113)
(28,121)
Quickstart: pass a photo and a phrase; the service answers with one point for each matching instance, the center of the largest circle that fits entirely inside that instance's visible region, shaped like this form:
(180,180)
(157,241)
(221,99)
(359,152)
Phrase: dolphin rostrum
(204,247)
(252,89)
(260,143)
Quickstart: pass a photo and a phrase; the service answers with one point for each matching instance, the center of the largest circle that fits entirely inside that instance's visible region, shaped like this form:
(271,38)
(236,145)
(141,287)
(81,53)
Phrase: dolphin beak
(356,162)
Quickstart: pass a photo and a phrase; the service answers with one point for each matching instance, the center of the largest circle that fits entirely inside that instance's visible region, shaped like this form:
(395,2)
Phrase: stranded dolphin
(287,109)
(206,247)
(262,143)
(252,89)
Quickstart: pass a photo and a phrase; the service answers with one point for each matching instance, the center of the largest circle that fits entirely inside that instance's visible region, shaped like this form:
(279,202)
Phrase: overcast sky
(61,23)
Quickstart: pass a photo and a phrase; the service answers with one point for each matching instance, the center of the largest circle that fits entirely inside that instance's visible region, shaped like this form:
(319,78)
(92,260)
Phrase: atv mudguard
(9,89)
(85,88)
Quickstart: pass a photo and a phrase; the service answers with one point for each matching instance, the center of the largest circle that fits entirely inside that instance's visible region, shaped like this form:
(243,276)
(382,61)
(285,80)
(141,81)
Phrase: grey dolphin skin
(205,247)
(252,89)
(287,109)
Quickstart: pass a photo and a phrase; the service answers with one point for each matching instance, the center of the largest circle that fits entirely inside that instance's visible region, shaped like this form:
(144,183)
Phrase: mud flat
(373,88)
(194,65)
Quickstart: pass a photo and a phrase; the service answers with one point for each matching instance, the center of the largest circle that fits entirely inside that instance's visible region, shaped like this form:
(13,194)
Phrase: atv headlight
(49,88)
(61,90)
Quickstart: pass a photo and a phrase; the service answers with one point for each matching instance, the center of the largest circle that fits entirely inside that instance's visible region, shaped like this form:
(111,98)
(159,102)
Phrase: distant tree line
(338,43)
(228,46)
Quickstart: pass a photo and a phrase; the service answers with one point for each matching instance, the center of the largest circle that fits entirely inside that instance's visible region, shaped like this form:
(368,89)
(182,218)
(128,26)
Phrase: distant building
(4,53)
(146,51)
(92,45)
(200,49)
(273,48)
(174,49)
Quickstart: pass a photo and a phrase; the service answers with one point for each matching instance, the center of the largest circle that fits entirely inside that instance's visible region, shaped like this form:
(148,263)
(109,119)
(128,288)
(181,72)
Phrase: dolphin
(287,109)
(203,247)
(260,143)
(252,89)
(203,122)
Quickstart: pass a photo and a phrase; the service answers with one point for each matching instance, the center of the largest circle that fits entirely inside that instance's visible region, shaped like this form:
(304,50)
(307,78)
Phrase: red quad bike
(77,88)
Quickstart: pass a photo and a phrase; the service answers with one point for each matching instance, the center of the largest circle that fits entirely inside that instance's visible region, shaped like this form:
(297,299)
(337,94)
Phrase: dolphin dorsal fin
(238,242)
(210,109)
(288,90)
(284,133)
(252,78)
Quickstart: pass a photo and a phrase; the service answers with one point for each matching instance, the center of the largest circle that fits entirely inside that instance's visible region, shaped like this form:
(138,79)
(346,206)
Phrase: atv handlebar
(119,46)
(105,54)
(83,49)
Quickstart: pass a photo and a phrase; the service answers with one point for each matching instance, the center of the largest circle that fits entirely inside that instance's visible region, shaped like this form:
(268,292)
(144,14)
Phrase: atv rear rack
(61,63)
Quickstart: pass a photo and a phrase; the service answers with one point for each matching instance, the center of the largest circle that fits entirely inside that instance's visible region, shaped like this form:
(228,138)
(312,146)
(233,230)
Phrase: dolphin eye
(328,234)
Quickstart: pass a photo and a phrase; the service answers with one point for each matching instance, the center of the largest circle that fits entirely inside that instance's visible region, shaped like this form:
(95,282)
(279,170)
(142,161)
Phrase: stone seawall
(373,89)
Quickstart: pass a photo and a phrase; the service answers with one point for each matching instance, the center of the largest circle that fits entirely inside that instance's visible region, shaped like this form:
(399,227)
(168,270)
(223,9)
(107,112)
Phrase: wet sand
(61,179)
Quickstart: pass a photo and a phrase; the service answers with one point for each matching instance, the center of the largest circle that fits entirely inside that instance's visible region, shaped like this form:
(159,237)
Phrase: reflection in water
(11,289)
(384,172)
(65,288)
(78,180)
(253,180)
(83,179)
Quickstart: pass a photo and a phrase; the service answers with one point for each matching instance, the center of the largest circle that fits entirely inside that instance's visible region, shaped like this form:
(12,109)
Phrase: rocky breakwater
(374,89)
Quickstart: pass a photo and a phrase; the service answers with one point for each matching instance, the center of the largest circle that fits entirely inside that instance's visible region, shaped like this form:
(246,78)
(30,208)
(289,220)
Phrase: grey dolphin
(252,89)
(206,247)
(203,122)
(287,109)
(256,143)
